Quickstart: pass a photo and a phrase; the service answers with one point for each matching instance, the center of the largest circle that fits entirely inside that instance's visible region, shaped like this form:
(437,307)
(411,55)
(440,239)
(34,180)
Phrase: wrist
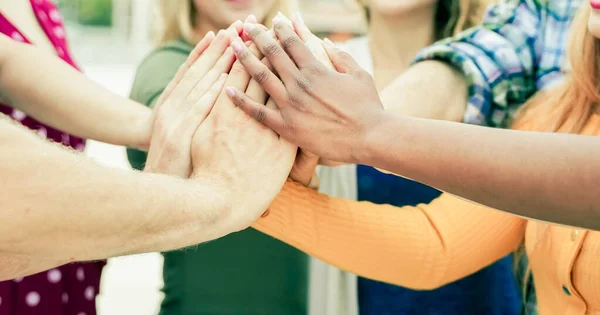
(142,130)
(365,150)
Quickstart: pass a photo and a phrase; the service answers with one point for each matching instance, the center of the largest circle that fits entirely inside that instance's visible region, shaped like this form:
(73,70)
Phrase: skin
(338,115)
(219,14)
(232,181)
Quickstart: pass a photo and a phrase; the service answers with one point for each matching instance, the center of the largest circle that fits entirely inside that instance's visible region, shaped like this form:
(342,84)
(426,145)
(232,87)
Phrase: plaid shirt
(517,50)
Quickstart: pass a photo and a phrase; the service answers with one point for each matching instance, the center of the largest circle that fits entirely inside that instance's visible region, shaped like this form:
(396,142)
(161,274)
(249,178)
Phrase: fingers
(314,44)
(300,28)
(194,55)
(203,106)
(201,66)
(223,65)
(269,116)
(259,71)
(269,47)
(255,90)
(341,60)
(291,43)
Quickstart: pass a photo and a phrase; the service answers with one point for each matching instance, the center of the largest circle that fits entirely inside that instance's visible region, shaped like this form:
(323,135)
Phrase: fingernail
(328,42)
(230,91)
(220,34)
(299,18)
(252,18)
(211,33)
(284,18)
(248,27)
(237,47)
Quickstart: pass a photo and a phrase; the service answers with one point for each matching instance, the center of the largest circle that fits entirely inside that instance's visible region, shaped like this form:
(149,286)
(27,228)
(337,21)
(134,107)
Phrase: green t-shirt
(243,273)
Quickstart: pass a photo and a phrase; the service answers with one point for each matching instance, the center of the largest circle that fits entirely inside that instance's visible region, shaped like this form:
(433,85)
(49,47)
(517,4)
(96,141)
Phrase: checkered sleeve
(498,59)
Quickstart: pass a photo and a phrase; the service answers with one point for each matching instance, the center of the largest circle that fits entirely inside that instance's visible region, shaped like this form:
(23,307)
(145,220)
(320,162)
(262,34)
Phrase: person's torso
(492,290)
(565,262)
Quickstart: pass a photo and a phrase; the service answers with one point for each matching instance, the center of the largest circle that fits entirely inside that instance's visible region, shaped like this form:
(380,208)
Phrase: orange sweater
(430,245)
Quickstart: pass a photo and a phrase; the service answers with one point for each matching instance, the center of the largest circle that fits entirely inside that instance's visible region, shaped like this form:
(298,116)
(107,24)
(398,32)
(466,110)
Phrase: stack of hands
(238,109)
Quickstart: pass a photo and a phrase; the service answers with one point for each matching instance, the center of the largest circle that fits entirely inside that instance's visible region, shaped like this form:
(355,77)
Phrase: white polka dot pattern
(59,32)
(80,274)
(55,16)
(89,293)
(18,37)
(17,280)
(65,298)
(18,115)
(54,276)
(32,299)
(42,132)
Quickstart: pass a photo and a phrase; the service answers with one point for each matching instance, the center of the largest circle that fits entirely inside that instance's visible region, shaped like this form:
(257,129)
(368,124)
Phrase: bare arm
(58,206)
(429,89)
(552,177)
(67,100)
(338,115)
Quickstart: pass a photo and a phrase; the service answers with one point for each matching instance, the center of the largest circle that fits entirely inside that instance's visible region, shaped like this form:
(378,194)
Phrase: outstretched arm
(422,247)
(338,115)
(67,100)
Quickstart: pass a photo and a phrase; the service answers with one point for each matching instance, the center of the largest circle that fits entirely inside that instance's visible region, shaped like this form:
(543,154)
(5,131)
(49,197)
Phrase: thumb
(340,59)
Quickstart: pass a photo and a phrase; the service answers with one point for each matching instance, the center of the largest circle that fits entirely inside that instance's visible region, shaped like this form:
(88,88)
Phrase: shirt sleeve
(152,77)
(503,59)
(422,247)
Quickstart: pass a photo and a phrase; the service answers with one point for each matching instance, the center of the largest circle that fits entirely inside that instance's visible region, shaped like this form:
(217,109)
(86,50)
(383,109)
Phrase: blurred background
(108,39)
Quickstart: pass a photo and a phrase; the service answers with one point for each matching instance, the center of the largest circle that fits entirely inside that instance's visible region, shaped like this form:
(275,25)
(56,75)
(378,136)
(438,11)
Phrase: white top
(333,291)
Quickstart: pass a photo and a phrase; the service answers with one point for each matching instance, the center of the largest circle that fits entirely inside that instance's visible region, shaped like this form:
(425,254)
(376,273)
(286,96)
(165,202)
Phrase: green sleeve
(151,78)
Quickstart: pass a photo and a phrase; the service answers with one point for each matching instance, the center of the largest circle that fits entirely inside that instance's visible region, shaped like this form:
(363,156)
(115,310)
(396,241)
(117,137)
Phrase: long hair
(177,19)
(568,107)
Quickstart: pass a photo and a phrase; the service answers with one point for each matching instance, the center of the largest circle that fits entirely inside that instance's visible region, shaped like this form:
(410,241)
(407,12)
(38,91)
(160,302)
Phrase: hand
(325,112)
(187,101)
(248,158)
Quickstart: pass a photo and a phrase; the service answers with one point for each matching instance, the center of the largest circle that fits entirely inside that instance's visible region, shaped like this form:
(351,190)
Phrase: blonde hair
(177,19)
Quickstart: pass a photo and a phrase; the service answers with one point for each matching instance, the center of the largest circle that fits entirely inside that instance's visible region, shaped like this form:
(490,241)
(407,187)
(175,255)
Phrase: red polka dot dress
(70,289)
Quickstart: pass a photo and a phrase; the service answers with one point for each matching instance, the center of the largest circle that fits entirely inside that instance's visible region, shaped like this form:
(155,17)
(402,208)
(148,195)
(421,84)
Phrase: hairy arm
(551,177)
(66,99)
(56,206)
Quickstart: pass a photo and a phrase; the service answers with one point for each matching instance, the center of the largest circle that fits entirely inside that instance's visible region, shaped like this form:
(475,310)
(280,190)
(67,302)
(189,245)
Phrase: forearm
(428,89)
(12,266)
(57,205)
(432,244)
(54,93)
(544,176)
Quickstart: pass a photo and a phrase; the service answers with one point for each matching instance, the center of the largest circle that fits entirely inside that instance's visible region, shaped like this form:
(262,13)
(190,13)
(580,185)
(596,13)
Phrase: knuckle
(303,83)
(255,32)
(313,69)
(243,55)
(260,115)
(296,101)
(344,56)
(290,41)
(272,50)
(262,76)
(361,74)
